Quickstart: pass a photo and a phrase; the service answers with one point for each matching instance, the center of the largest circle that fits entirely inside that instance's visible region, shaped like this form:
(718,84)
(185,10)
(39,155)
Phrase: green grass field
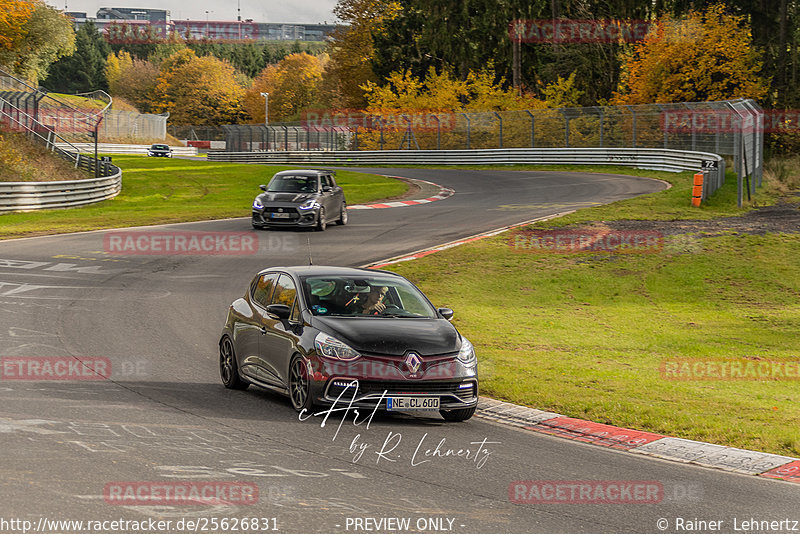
(160,190)
(585,334)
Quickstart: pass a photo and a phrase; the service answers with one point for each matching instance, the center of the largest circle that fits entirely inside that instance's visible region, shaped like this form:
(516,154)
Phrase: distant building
(132,13)
(140,22)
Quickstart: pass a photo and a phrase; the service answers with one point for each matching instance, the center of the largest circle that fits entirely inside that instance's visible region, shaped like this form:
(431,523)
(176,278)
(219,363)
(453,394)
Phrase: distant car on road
(159,151)
(335,336)
(305,198)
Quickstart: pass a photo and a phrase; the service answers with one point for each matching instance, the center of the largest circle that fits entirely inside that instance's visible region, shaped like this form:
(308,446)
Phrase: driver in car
(371,305)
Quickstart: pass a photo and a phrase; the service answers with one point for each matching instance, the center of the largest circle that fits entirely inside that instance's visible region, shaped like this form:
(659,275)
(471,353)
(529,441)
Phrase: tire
(299,385)
(321,222)
(228,368)
(343,216)
(455,416)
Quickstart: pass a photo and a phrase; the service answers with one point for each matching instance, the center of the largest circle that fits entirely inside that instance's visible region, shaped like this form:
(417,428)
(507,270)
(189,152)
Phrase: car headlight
(467,353)
(257,205)
(330,347)
(308,204)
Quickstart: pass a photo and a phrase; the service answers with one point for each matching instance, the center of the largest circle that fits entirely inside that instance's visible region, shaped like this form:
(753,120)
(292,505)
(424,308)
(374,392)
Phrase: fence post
(566,128)
(601,126)
(533,130)
(500,120)
(469,128)
(633,132)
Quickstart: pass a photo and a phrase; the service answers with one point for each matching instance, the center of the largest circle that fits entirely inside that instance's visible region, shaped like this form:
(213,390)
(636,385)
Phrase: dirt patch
(783,217)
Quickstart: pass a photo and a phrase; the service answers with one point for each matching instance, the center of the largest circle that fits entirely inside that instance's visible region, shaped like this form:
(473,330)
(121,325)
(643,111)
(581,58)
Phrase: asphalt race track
(164,417)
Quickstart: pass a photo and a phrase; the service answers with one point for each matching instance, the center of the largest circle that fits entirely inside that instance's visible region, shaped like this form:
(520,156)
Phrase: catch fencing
(727,128)
(77,123)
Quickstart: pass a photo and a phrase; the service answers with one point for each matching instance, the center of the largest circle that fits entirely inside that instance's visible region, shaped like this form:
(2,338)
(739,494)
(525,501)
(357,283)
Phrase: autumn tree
(705,56)
(132,79)
(14,14)
(43,36)
(293,85)
(198,90)
(443,91)
(352,50)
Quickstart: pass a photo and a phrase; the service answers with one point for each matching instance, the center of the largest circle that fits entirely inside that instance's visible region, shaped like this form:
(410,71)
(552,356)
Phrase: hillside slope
(24,161)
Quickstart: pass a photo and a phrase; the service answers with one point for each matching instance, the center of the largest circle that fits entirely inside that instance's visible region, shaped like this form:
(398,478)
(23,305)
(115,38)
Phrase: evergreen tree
(84,70)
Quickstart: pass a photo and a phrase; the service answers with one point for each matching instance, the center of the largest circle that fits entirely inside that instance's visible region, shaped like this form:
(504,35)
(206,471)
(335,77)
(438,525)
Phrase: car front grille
(267,212)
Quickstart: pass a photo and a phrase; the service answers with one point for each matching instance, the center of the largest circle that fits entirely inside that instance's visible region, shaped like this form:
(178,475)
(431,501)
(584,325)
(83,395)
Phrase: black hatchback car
(340,336)
(306,198)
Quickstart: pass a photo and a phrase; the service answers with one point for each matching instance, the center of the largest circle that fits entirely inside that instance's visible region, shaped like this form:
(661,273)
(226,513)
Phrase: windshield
(365,297)
(159,147)
(293,184)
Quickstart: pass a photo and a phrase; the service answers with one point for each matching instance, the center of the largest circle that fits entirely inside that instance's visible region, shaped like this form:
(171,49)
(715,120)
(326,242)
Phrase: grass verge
(586,334)
(160,191)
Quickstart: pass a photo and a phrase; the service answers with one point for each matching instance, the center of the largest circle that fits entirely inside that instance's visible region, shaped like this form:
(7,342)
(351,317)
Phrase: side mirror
(263,187)
(447,313)
(326,189)
(281,311)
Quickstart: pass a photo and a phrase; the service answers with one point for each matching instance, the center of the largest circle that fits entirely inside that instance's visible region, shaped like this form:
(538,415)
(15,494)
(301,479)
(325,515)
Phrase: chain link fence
(76,122)
(729,128)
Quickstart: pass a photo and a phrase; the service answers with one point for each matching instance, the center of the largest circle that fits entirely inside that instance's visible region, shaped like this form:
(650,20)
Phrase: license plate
(281,215)
(412,403)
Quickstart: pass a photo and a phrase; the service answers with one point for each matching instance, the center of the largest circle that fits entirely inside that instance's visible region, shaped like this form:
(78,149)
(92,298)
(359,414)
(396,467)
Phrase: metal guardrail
(15,196)
(642,158)
(64,194)
(114,148)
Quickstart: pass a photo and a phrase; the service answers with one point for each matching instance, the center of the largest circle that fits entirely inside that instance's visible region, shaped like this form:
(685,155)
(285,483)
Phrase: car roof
(303,172)
(326,270)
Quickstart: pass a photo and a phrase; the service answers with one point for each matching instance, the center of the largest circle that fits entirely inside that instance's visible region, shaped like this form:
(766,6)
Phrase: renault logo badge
(413,362)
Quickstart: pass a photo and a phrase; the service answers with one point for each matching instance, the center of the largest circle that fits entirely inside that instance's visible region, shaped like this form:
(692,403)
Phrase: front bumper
(297,217)
(369,381)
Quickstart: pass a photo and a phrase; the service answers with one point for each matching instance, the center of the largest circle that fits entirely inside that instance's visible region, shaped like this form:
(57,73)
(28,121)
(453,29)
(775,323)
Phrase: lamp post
(207,12)
(266,116)
(266,108)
